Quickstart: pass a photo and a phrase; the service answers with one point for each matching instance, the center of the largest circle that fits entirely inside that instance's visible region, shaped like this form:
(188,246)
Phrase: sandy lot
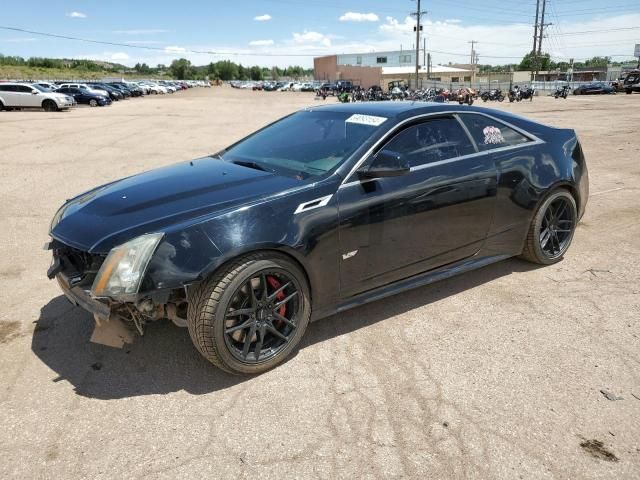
(494,374)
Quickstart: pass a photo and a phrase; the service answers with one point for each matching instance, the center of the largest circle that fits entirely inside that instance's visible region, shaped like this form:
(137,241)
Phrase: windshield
(305,144)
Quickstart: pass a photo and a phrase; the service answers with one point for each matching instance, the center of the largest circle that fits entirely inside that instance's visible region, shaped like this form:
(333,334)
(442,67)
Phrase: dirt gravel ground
(494,374)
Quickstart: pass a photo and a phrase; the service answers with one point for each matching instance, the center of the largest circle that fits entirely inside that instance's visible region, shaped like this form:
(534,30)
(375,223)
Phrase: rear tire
(1,106)
(49,106)
(552,229)
(271,324)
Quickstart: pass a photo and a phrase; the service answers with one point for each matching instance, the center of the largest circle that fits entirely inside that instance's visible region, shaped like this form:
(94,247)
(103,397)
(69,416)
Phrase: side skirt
(416,281)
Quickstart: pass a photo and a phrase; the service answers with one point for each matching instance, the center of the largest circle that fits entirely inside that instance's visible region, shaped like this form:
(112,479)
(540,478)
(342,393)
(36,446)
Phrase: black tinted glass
(305,144)
(431,141)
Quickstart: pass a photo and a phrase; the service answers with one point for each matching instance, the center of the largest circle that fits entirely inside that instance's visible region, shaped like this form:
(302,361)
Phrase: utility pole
(542,26)
(535,40)
(424,51)
(418,13)
(473,59)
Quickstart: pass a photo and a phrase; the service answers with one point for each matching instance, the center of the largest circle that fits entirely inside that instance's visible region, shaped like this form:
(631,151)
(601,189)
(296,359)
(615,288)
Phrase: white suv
(24,95)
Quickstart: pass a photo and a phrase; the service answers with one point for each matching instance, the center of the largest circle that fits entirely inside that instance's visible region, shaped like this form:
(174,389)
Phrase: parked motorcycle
(344,97)
(493,95)
(464,95)
(515,95)
(561,92)
(527,94)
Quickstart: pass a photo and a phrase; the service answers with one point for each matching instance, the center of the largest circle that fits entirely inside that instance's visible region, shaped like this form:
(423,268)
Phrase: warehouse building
(381,68)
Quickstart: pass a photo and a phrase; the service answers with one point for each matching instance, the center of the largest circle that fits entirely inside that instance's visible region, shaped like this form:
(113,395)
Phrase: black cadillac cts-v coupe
(323,210)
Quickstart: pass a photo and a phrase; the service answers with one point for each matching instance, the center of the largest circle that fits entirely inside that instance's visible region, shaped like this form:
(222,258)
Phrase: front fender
(193,253)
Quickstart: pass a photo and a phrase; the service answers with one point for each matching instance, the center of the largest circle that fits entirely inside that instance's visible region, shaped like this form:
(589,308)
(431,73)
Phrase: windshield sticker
(366,120)
(492,135)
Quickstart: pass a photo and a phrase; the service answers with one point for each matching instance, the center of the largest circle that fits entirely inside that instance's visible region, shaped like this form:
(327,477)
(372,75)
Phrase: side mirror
(34,92)
(386,163)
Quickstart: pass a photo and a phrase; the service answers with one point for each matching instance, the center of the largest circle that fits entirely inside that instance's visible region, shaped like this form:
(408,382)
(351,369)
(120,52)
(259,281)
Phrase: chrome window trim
(534,141)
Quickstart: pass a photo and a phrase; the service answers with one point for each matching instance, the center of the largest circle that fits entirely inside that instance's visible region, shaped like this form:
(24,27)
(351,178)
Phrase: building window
(405,58)
(455,79)
(467,79)
(381,60)
(359,60)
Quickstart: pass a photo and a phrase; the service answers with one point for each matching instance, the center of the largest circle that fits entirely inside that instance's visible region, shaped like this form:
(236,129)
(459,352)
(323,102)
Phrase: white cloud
(393,26)
(19,40)
(77,15)
(141,31)
(263,18)
(261,43)
(497,44)
(174,49)
(307,37)
(453,20)
(359,17)
(120,56)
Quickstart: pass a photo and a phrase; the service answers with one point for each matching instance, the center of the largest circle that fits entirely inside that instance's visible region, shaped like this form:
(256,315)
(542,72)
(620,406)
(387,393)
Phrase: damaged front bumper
(82,298)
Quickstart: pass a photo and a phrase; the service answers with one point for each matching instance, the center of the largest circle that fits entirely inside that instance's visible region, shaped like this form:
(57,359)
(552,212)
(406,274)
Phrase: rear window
(490,134)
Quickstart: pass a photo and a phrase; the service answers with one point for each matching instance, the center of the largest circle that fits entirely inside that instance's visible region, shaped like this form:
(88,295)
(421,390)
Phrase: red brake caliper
(275,284)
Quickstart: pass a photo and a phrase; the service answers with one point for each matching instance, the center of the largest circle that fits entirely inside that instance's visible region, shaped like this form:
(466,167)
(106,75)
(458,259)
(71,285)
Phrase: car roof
(402,110)
(395,109)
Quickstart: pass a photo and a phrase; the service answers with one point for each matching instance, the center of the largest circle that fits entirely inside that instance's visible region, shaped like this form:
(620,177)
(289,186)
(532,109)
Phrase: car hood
(157,200)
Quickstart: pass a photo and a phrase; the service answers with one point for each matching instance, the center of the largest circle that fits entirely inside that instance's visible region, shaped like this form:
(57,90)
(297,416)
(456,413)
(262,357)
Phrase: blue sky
(286,32)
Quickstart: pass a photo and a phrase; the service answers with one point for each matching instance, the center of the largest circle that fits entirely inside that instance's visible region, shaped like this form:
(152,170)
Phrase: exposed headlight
(123,270)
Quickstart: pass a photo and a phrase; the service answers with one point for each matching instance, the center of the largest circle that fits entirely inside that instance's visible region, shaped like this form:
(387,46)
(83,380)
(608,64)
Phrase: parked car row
(54,96)
(272,86)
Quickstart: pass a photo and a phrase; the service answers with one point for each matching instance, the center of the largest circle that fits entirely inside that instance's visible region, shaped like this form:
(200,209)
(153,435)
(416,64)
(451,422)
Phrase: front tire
(251,314)
(93,102)
(552,229)
(49,106)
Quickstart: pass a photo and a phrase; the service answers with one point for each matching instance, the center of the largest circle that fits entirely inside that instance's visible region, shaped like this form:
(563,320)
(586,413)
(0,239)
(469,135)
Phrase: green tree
(181,69)
(227,70)
(528,62)
(597,62)
(255,73)
(242,72)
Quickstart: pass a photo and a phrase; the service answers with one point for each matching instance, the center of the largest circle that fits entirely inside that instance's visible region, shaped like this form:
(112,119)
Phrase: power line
(160,49)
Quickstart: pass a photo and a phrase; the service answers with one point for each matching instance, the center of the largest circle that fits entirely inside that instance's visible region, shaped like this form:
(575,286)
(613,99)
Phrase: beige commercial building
(381,68)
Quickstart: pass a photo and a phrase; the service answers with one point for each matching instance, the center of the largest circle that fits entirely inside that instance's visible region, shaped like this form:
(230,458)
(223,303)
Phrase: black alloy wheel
(557,227)
(552,229)
(251,314)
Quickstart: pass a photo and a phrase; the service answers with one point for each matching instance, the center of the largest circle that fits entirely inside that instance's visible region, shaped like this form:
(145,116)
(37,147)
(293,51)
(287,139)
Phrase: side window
(5,88)
(431,141)
(23,89)
(490,134)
